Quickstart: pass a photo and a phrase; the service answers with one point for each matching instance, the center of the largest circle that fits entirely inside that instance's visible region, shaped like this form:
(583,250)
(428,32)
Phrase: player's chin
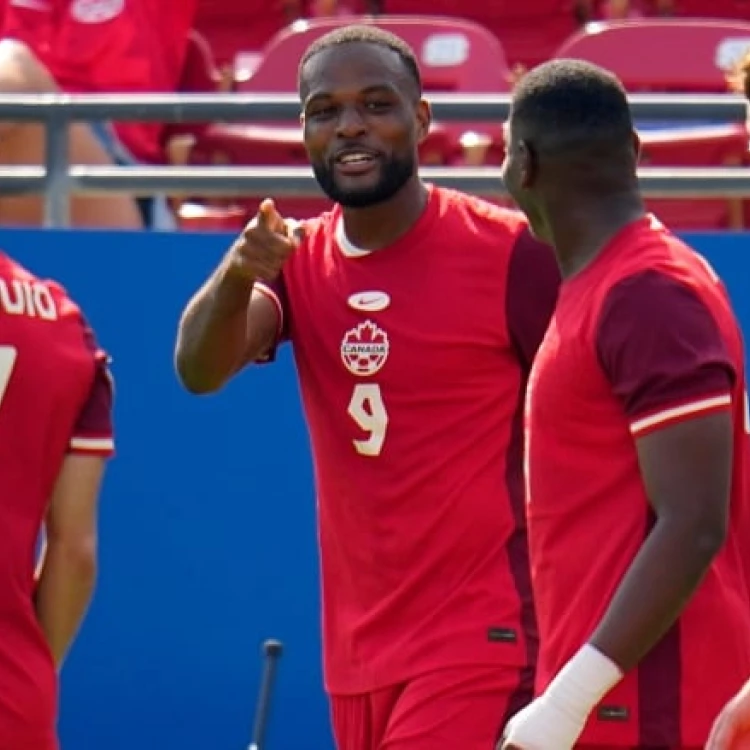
(362,182)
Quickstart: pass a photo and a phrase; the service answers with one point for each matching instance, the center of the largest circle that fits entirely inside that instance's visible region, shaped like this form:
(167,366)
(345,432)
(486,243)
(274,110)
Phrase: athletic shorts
(460,708)
(622,747)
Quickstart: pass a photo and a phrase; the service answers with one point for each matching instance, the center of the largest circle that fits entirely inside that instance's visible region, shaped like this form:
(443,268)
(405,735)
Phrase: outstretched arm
(231,321)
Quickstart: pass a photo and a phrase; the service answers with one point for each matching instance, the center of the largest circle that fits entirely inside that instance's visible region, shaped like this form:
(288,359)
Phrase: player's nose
(351,123)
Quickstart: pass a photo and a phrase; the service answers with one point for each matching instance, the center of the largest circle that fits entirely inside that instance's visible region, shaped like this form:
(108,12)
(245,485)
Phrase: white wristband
(583,682)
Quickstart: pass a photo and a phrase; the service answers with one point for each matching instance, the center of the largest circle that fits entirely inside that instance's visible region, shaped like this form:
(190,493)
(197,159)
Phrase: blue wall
(208,539)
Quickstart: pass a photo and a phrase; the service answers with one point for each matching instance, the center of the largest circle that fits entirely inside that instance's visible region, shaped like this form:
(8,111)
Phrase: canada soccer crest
(364,349)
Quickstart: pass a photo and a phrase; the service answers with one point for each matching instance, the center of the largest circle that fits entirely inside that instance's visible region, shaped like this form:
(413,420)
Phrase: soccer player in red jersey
(56,434)
(636,429)
(414,313)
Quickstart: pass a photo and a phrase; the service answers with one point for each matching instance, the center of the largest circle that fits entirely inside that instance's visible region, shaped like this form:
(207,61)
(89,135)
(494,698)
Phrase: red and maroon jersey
(109,46)
(55,399)
(412,364)
(642,338)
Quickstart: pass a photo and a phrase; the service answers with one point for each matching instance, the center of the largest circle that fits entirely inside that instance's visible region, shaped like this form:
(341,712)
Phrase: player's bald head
(567,106)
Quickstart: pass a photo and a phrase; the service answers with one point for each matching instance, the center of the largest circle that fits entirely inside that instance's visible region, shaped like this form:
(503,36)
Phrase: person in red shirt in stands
(92,46)
(414,313)
(56,435)
(636,420)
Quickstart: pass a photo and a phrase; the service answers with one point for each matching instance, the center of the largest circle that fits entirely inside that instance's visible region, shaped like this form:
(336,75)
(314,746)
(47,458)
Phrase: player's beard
(395,173)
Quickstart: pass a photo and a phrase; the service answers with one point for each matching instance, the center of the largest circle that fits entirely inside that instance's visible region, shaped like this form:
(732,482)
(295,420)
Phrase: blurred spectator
(616,10)
(738,78)
(619,10)
(327,8)
(93,46)
(664,8)
(296,9)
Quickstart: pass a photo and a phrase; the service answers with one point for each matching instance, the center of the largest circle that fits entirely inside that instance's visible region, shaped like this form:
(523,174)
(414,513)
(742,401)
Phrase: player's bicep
(72,512)
(687,470)
(266,323)
(669,365)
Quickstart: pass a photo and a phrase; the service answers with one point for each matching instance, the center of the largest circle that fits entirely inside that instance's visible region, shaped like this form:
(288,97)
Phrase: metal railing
(57,180)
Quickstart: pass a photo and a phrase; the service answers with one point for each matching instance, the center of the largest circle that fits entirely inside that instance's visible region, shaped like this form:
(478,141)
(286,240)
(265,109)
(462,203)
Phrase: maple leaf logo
(364,349)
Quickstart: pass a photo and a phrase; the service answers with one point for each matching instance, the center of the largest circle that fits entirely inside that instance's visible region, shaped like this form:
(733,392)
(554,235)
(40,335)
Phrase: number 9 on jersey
(367,409)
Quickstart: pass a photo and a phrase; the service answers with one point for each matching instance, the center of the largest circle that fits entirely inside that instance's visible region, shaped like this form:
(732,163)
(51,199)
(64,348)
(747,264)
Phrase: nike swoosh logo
(31,4)
(369,301)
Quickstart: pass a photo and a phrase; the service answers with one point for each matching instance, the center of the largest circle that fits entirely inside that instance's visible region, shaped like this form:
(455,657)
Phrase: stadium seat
(670,55)
(705,146)
(454,54)
(676,56)
(529,31)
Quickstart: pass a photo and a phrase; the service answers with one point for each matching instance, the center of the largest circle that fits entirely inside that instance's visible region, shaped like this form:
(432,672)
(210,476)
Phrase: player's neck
(376,227)
(585,227)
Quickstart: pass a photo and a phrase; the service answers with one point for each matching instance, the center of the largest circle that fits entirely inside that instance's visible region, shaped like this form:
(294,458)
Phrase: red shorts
(460,707)
(622,747)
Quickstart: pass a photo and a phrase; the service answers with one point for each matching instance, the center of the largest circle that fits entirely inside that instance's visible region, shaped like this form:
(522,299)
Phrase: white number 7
(8,356)
(368,410)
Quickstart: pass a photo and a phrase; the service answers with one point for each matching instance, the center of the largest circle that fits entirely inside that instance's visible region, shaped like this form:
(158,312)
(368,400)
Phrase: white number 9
(367,409)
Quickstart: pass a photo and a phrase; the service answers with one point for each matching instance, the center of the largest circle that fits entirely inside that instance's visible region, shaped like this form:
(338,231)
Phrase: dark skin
(355,95)
(362,95)
(578,202)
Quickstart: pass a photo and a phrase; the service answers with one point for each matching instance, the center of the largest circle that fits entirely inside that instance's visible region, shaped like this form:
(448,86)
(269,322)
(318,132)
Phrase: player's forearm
(212,335)
(656,588)
(64,590)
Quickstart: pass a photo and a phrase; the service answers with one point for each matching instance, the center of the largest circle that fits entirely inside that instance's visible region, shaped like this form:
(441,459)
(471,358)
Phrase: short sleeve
(276,292)
(532,288)
(663,352)
(93,433)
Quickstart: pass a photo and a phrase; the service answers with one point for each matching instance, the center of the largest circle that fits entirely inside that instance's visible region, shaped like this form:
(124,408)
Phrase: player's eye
(378,105)
(320,113)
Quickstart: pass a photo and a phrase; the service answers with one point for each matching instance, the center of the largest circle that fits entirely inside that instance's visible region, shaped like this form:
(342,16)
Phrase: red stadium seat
(705,146)
(529,31)
(675,55)
(454,54)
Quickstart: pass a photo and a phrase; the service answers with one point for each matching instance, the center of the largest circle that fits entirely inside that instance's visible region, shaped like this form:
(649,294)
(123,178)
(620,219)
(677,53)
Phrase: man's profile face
(519,174)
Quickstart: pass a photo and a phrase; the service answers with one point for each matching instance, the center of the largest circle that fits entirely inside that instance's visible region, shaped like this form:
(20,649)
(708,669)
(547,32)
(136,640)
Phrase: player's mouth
(352,162)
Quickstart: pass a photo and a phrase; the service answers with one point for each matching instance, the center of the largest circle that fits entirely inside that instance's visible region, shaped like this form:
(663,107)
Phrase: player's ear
(636,146)
(528,165)
(424,118)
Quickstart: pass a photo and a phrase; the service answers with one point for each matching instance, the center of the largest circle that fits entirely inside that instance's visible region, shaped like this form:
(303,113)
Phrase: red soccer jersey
(55,398)
(642,338)
(412,363)
(109,46)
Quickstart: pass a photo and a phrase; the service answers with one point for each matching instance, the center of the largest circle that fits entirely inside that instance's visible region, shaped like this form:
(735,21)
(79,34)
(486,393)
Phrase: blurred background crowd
(113,46)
